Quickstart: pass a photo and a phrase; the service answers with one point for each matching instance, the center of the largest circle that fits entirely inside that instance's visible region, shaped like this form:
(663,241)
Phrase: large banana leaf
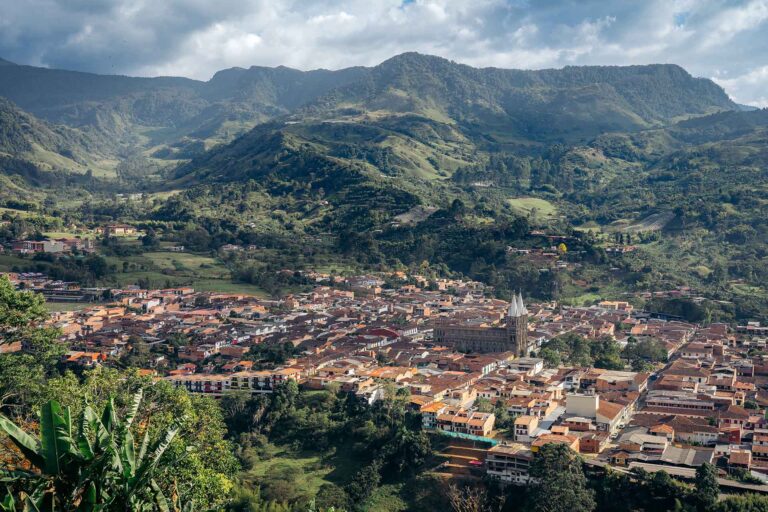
(8,504)
(89,502)
(144,472)
(93,467)
(160,501)
(130,414)
(55,437)
(84,433)
(109,417)
(28,445)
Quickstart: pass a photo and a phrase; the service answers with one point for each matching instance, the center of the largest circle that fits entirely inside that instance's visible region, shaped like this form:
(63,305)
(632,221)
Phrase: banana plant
(94,467)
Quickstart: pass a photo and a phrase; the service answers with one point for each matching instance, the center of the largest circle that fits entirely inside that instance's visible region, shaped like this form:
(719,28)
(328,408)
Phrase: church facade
(511,337)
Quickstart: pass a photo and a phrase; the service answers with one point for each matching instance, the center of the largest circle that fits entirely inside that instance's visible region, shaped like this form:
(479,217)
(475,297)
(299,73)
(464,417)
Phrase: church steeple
(522,310)
(516,307)
(513,311)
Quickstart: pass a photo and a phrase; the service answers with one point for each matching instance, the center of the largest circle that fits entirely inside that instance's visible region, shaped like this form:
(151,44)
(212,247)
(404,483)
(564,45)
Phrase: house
(255,382)
(740,459)
(509,463)
(593,442)
(525,426)
(608,416)
(86,359)
(34,246)
(571,441)
(462,421)
(119,230)
(637,441)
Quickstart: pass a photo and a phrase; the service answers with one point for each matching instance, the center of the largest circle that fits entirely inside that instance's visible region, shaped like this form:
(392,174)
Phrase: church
(511,337)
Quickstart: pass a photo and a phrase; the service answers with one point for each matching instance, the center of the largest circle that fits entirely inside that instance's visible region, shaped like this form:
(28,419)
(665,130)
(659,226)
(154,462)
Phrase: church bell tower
(517,326)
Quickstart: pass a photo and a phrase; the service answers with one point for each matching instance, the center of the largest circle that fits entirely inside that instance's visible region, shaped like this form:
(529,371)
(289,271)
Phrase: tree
(407,451)
(22,374)
(707,488)
(483,404)
(331,496)
(93,465)
(558,481)
(200,461)
(470,498)
(20,312)
(743,503)
(363,484)
(503,418)
(551,357)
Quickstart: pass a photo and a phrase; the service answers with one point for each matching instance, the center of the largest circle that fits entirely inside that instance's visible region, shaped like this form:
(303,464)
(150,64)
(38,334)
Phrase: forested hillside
(403,162)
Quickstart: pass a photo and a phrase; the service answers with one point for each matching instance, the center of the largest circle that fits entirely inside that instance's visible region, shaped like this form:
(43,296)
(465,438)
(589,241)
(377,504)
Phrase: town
(497,379)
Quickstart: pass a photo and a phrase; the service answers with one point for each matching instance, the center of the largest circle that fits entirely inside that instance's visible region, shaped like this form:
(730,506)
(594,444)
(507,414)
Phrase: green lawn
(310,467)
(67,306)
(20,213)
(281,469)
(202,272)
(8,261)
(67,234)
(387,498)
(584,299)
(541,208)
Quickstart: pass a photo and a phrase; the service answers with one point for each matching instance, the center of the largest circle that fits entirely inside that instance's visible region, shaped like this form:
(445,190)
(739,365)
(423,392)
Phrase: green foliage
(642,354)
(618,492)
(383,440)
(22,374)
(559,484)
(742,503)
(707,488)
(100,467)
(20,312)
(571,349)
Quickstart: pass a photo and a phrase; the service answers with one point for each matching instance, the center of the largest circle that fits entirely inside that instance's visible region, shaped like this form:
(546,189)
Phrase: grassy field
(68,234)
(585,299)
(161,269)
(20,213)
(310,466)
(654,222)
(67,306)
(202,272)
(302,472)
(540,208)
(8,261)
(387,498)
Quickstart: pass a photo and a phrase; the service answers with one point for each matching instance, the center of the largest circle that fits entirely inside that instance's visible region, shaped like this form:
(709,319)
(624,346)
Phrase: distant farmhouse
(119,230)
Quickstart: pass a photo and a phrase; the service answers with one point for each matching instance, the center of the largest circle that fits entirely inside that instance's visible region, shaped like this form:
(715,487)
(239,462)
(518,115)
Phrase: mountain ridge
(123,104)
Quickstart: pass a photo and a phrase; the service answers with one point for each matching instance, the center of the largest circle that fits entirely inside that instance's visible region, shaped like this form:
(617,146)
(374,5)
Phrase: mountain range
(525,103)
(387,153)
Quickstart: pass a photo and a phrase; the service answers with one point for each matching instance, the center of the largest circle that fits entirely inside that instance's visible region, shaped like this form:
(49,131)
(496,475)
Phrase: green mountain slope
(36,155)
(165,108)
(50,147)
(506,106)
(405,127)
(502,106)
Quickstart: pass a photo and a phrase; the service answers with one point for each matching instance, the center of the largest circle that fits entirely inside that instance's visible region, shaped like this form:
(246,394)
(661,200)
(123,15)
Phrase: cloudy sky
(721,39)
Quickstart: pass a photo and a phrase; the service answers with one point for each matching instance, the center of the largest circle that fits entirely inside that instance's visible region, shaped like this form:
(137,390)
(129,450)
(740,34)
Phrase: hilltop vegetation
(417,159)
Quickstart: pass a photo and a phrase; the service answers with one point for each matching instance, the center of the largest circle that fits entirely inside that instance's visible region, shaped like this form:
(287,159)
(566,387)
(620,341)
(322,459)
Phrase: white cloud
(751,87)
(729,23)
(198,37)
